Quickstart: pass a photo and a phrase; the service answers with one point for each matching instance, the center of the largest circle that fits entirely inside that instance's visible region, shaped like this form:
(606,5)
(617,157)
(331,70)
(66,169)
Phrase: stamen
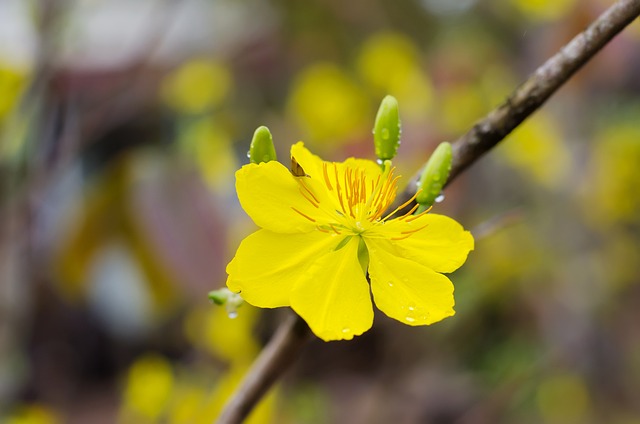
(326,176)
(402,206)
(334,229)
(307,197)
(401,238)
(414,230)
(414,217)
(335,168)
(322,229)
(413,209)
(308,191)
(308,217)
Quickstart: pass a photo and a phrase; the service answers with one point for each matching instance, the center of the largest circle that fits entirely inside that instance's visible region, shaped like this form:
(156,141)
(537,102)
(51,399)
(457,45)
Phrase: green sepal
(363,255)
(262,149)
(386,130)
(219,297)
(435,175)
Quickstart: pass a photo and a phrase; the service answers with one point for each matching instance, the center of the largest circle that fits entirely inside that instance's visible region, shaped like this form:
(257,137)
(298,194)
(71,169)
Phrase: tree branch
(484,135)
(528,97)
(274,359)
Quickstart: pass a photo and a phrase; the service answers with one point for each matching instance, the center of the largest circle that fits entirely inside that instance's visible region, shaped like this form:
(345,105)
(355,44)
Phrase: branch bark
(275,358)
(485,134)
(529,96)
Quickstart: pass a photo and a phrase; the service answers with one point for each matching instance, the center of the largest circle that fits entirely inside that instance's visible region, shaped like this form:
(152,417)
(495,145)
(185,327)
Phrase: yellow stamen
(402,206)
(414,217)
(413,209)
(308,217)
(310,200)
(326,176)
(335,168)
(334,229)
(309,191)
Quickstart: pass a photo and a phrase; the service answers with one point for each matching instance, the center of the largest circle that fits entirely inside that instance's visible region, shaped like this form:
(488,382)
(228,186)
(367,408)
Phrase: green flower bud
(386,130)
(262,149)
(435,175)
(224,296)
(219,297)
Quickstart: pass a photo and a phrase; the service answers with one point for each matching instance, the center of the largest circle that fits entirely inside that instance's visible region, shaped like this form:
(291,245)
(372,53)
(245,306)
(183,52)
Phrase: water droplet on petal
(390,283)
(409,318)
(440,198)
(412,308)
(380,162)
(249,153)
(346,330)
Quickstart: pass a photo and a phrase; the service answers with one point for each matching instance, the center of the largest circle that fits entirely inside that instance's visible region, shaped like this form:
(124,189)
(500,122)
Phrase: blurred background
(122,123)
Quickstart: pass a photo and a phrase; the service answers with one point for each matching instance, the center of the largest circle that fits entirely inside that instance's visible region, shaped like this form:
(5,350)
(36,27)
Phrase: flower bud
(231,300)
(435,175)
(386,130)
(262,149)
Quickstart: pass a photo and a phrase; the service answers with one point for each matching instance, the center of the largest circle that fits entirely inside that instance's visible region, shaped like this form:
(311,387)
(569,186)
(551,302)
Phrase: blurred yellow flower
(460,105)
(563,398)
(323,228)
(148,388)
(31,414)
(536,149)
(208,144)
(390,64)
(197,86)
(544,9)
(327,104)
(614,175)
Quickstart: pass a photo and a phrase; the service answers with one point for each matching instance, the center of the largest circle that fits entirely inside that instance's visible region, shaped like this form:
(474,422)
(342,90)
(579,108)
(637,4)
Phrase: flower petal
(406,290)
(435,241)
(269,193)
(311,163)
(267,264)
(333,295)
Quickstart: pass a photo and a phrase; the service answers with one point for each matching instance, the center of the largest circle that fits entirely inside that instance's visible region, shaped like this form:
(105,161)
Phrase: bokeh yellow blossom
(328,104)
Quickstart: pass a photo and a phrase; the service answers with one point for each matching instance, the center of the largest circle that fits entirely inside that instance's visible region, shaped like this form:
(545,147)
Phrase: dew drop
(380,162)
(385,133)
(409,319)
(232,314)
(390,283)
(440,198)
(249,154)
(412,308)
(346,330)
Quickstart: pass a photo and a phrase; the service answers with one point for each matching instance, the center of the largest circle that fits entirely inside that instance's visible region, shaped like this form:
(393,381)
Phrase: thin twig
(274,359)
(528,97)
(484,135)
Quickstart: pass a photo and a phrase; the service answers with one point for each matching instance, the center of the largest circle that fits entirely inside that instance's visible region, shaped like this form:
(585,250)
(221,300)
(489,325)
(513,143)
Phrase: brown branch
(484,135)
(274,359)
(528,97)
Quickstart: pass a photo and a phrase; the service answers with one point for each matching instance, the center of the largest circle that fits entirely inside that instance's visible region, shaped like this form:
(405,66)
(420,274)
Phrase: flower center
(354,203)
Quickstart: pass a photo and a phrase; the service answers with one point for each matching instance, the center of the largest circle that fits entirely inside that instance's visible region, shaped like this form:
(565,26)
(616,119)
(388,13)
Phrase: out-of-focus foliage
(122,123)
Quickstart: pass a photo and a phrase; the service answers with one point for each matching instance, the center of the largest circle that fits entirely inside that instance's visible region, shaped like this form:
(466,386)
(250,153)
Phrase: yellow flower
(322,227)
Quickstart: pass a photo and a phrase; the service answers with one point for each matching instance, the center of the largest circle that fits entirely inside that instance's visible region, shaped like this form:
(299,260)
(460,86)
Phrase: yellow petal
(333,295)
(267,264)
(270,195)
(404,289)
(311,163)
(439,243)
